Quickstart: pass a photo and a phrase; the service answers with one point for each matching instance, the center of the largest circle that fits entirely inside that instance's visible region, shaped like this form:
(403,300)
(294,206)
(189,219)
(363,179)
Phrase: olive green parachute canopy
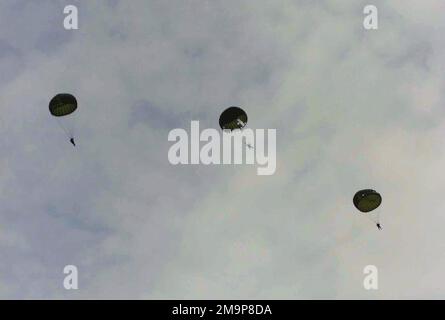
(62,104)
(367,200)
(233,118)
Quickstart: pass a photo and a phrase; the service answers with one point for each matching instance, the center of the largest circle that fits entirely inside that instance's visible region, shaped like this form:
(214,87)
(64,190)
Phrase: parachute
(62,104)
(61,107)
(366,201)
(233,118)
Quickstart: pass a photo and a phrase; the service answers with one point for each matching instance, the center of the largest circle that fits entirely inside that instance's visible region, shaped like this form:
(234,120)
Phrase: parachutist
(366,201)
(60,106)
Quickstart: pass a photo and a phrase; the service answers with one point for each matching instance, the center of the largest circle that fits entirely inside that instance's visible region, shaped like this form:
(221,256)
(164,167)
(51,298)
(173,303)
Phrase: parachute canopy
(367,200)
(62,104)
(233,118)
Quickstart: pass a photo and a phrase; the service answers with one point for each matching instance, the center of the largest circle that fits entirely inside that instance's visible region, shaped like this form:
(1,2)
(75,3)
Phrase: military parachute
(233,118)
(366,201)
(62,106)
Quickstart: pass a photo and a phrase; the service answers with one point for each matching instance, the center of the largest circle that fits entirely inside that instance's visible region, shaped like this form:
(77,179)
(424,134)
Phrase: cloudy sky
(353,109)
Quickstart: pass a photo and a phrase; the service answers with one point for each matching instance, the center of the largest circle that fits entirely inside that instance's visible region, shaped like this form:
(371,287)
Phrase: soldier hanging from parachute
(368,200)
(234,118)
(61,107)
